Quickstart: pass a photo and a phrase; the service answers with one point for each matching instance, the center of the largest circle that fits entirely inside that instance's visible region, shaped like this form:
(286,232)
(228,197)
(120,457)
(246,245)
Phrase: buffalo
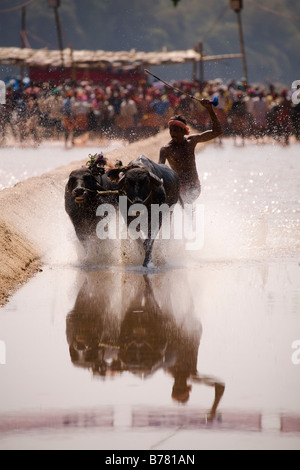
(86,189)
(145,183)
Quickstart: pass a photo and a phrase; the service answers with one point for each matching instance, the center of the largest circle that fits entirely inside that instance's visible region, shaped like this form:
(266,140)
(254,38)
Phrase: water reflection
(125,321)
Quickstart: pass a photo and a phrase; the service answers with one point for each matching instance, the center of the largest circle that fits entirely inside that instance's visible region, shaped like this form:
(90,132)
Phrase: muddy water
(196,353)
(19,164)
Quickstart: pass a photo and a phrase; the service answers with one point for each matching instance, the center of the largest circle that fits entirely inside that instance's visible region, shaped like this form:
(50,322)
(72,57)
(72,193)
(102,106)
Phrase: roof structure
(101,59)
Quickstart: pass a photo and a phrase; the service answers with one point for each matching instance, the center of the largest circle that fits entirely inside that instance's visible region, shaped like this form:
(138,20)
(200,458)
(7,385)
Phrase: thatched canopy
(99,58)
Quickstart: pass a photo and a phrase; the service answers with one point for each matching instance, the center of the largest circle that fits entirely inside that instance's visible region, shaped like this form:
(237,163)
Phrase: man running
(180,152)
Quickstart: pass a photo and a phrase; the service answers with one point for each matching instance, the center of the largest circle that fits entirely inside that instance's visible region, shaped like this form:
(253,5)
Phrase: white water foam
(251,203)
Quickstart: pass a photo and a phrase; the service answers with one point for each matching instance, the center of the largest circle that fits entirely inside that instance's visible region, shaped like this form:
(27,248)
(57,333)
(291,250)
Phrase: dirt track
(24,222)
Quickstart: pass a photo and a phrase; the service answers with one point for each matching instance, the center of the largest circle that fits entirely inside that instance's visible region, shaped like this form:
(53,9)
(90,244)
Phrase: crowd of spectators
(50,111)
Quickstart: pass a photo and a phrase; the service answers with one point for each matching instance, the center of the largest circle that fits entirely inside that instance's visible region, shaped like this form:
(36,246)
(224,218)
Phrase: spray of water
(250,203)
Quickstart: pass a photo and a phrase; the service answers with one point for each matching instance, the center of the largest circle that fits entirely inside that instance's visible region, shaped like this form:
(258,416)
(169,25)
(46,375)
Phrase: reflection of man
(184,368)
(181,389)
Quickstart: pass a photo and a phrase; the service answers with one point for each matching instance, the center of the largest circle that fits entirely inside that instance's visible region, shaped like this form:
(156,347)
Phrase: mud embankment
(27,216)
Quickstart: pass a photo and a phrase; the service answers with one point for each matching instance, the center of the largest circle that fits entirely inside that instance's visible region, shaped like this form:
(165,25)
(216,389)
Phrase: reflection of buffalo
(110,333)
(82,198)
(146,183)
(143,333)
(118,324)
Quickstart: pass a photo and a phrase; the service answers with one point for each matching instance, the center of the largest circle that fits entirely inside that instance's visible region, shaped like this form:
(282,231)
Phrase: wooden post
(194,70)
(55,4)
(59,35)
(201,64)
(245,71)
(73,66)
(23,32)
(237,5)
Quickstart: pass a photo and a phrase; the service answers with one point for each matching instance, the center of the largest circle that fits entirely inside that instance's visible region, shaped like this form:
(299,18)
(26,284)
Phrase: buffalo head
(82,186)
(139,185)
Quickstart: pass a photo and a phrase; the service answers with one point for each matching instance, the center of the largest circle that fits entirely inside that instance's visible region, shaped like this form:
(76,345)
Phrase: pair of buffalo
(142,182)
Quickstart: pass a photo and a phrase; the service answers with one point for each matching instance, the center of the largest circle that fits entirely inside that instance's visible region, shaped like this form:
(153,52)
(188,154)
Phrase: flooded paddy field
(199,352)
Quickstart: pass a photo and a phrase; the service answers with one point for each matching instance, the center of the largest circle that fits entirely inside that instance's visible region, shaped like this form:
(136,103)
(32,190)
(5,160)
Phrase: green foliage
(271,40)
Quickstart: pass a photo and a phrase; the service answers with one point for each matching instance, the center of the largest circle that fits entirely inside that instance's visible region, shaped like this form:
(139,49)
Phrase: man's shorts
(190,192)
